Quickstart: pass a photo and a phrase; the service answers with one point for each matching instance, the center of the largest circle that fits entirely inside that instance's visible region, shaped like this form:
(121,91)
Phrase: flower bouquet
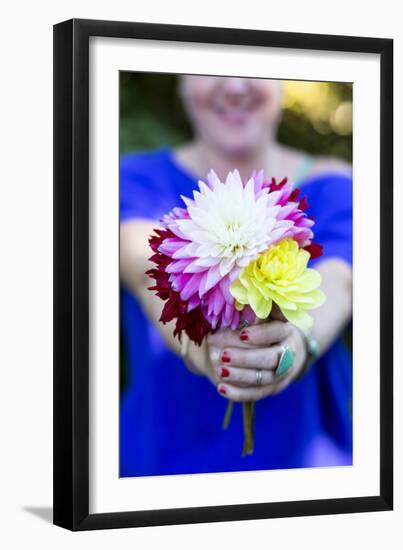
(232,252)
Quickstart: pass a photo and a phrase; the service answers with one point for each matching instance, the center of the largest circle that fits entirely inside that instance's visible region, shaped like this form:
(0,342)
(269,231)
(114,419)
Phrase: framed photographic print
(223,303)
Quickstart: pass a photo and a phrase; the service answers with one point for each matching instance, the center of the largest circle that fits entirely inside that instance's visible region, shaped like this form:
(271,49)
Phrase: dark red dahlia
(193,322)
(274,186)
(315,250)
(303,204)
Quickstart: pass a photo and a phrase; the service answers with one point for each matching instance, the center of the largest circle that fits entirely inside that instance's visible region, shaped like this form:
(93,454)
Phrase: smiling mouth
(237,113)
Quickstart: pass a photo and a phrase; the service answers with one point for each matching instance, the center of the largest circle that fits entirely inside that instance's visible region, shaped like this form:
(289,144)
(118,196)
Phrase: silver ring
(259,377)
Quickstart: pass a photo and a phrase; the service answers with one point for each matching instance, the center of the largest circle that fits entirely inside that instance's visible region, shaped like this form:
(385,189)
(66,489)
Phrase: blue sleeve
(331,200)
(139,193)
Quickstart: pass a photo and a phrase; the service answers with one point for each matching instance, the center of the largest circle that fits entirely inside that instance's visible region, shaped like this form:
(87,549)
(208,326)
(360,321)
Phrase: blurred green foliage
(151,115)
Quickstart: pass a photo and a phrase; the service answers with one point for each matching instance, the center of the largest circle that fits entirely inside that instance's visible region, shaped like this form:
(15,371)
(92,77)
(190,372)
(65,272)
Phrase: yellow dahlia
(280,275)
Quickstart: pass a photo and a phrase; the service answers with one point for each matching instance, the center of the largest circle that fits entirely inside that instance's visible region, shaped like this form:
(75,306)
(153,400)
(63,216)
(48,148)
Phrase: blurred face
(235,116)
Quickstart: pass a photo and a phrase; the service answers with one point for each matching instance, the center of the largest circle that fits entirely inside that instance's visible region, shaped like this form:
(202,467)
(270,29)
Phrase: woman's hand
(232,359)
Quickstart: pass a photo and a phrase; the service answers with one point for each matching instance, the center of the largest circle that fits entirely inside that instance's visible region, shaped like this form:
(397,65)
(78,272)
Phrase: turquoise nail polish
(286,361)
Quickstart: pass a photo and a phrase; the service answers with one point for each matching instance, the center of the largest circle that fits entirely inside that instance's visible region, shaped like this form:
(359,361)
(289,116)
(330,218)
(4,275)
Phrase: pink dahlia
(292,209)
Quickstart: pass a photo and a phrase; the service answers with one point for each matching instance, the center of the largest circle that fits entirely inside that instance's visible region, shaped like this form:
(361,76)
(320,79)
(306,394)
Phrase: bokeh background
(317,115)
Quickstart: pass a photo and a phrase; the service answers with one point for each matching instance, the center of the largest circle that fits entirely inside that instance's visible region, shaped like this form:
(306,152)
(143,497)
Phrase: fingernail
(222,390)
(244,335)
(225,357)
(224,373)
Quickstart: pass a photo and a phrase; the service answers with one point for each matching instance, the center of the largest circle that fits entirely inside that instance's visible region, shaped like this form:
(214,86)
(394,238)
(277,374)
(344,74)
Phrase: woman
(172,409)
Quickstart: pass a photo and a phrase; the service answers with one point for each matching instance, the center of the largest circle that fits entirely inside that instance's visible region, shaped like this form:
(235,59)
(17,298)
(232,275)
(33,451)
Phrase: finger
(266,334)
(246,377)
(215,355)
(254,358)
(280,385)
(227,337)
(238,394)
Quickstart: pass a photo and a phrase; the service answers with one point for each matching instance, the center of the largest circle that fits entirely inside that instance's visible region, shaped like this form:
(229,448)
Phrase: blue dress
(170,419)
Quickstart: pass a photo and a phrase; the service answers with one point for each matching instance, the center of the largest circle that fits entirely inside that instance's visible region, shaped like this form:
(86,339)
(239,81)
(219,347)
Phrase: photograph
(236,274)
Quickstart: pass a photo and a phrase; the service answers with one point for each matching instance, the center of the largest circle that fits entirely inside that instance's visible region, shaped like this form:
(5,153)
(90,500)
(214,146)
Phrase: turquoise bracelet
(312,352)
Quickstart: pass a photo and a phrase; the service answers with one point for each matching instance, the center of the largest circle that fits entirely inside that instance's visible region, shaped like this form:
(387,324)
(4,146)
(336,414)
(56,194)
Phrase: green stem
(248,427)
(228,414)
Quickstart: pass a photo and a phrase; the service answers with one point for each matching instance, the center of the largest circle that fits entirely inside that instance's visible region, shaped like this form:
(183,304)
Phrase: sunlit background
(317,115)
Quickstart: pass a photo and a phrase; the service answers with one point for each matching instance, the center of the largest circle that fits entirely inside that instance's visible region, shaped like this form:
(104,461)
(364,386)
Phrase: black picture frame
(71,274)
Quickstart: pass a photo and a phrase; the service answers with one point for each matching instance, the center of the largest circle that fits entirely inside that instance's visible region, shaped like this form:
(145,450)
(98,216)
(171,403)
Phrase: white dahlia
(228,225)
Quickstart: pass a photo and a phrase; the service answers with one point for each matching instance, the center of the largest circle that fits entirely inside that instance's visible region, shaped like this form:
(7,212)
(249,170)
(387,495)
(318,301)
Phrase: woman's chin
(240,144)
(239,150)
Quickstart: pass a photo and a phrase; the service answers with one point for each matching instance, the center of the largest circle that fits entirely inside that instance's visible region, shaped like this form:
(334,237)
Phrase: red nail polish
(225,357)
(244,335)
(224,373)
(222,390)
